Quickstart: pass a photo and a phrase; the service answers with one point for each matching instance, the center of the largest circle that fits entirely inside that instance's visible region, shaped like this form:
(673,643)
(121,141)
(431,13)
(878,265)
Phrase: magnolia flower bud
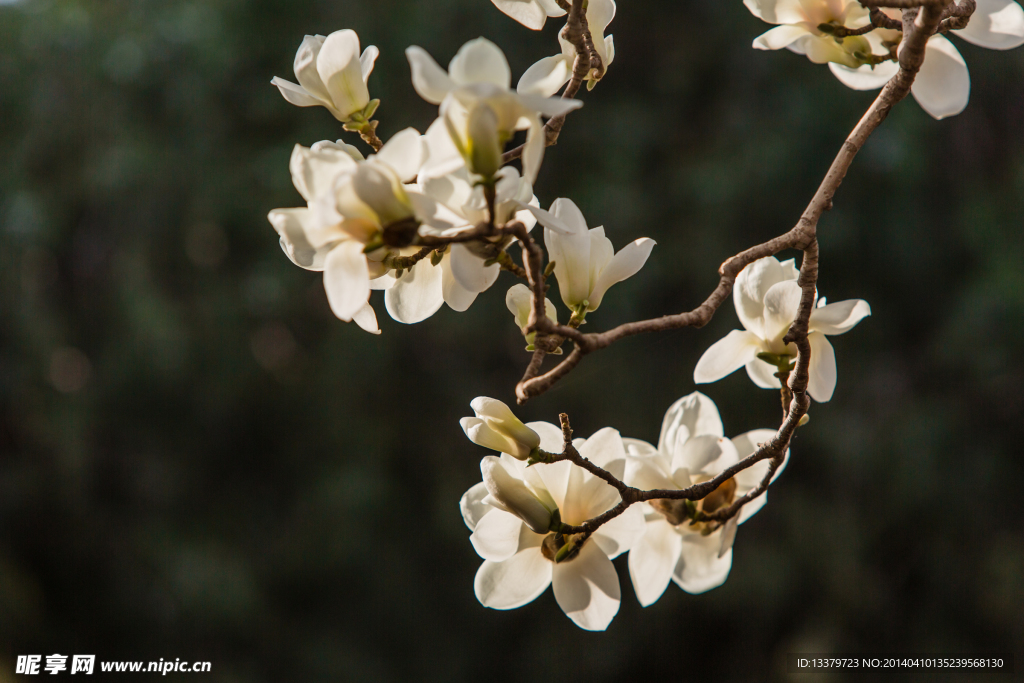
(519,301)
(496,427)
(512,495)
(484,143)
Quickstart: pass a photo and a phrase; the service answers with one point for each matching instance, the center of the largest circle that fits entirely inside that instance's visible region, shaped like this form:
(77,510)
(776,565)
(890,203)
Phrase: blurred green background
(198,461)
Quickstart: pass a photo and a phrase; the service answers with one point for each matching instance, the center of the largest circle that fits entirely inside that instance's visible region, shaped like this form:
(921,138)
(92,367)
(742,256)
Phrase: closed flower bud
(496,427)
(511,494)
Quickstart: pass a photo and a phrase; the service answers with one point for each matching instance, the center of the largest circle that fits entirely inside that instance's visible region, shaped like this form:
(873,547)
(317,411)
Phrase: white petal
(550,438)
(762,374)
(366,318)
(545,77)
(695,414)
(405,153)
(751,477)
(638,447)
(706,455)
(314,171)
(428,78)
(780,37)
(865,77)
(455,295)
(603,447)
(822,368)
(480,61)
(776,11)
(726,356)
(700,568)
(514,496)
(943,86)
(995,24)
(840,317)
(653,559)
(599,14)
(549,106)
(366,61)
(515,582)
(417,295)
(651,472)
(621,533)
(340,70)
(346,279)
(781,304)
(587,588)
(291,225)
(529,13)
(472,506)
(751,285)
(496,536)
(296,94)
(470,270)
(533,149)
(624,264)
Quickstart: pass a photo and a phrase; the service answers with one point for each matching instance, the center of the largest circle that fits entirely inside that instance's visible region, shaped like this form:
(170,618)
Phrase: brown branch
(918,26)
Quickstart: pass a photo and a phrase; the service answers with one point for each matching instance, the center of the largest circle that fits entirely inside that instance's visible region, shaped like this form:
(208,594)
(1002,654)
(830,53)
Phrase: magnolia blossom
(586,264)
(519,300)
(767,297)
(331,74)
(507,515)
(943,85)
(496,427)
(351,203)
(530,13)
(691,449)
(479,112)
(551,73)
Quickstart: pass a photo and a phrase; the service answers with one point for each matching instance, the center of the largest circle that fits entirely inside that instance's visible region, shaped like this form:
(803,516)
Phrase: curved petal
(342,74)
(552,8)
(776,11)
(599,14)
(529,13)
(693,415)
(638,447)
(346,279)
(296,94)
(515,582)
(726,356)
(840,317)
(943,86)
(751,285)
(866,77)
(533,149)
(707,455)
(651,472)
(480,61)
(429,80)
(291,225)
(745,445)
(550,437)
(781,304)
(653,559)
(545,77)
(404,152)
(621,533)
(472,505)
(587,588)
(455,295)
(305,68)
(417,295)
(780,37)
(367,60)
(514,496)
(366,318)
(624,264)
(314,171)
(762,374)
(822,368)
(496,536)
(995,24)
(470,270)
(700,568)
(604,446)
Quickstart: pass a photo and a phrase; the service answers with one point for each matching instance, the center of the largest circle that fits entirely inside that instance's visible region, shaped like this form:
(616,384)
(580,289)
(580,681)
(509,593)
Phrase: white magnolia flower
(767,296)
(943,86)
(479,111)
(519,301)
(352,202)
(548,75)
(691,449)
(530,13)
(496,427)
(331,74)
(586,264)
(519,562)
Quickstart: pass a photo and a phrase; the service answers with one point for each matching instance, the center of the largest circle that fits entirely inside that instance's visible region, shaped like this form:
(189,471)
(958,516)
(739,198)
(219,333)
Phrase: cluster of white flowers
(428,218)
(516,512)
(868,61)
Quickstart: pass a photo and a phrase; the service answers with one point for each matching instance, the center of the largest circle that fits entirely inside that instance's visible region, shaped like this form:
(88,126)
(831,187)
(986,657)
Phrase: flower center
(559,548)
(679,511)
